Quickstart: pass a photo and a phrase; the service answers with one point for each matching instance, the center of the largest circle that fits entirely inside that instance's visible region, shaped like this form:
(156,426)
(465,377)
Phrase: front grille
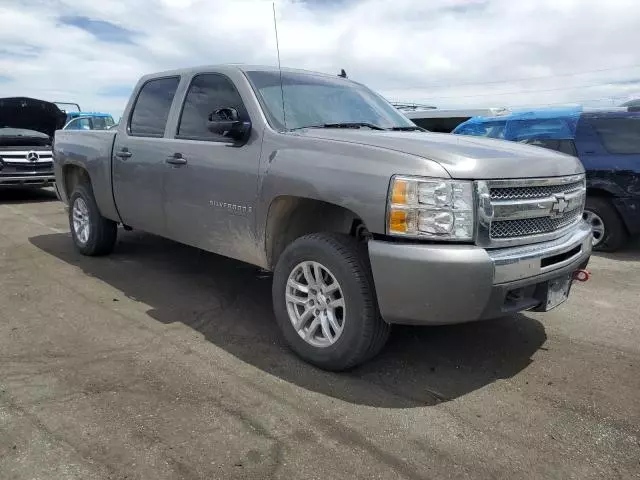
(26,156)
(532,226)
(542,191)
(33,167)
(528,210)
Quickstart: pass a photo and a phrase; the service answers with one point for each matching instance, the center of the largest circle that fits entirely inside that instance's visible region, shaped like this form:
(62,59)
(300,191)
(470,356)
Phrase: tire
(364,333)
(102,232)
(610,233)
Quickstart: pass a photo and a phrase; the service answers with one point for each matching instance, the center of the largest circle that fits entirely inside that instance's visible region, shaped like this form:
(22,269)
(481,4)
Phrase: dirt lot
(162,361)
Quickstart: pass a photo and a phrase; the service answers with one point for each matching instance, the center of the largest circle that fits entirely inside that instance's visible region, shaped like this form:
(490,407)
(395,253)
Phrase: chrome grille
(521,211)
(21,157)
(513,193)
(532,226)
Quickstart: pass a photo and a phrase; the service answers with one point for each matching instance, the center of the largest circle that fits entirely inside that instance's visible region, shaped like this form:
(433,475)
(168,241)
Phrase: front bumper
(435,284)
(27,180)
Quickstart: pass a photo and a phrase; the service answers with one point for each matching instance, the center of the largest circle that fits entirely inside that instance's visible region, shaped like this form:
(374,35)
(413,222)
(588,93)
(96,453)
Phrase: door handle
(124,154)
(176,159)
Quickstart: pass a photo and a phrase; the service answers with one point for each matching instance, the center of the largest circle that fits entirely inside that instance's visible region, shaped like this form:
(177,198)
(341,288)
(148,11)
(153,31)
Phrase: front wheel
(609,233)
(92,233)
(324,301)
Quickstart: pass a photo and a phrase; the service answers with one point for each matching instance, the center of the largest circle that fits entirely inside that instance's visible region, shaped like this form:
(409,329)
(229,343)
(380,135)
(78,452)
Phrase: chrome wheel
(315,304)
(81,224)
(597,225)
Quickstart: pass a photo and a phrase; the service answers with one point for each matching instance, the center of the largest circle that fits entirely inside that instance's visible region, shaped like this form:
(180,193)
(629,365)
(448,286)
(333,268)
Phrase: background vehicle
(27,126)
(632,105)
(445,120)
(365,219)
(607,142)
(89,121)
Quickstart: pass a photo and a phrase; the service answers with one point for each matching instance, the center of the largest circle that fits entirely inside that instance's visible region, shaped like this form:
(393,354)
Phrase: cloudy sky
(449,53)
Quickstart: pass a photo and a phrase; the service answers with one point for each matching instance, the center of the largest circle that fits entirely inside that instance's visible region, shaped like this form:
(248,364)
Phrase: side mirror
(225,122)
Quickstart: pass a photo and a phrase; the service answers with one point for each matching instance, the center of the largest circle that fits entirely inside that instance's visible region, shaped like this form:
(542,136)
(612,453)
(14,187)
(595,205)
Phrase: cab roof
(241,67)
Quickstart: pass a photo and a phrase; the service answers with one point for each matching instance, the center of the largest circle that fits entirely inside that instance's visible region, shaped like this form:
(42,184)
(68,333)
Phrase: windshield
(314,100)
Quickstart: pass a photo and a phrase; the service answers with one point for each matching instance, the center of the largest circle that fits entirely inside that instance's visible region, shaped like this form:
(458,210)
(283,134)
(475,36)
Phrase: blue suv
(607,142)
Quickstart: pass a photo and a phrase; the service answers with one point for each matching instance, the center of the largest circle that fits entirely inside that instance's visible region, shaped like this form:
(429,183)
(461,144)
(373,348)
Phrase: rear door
(211,186)
(139,152)
(609,148)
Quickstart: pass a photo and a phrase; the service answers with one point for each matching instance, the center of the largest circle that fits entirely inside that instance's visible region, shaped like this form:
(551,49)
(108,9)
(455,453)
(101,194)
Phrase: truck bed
(91,150)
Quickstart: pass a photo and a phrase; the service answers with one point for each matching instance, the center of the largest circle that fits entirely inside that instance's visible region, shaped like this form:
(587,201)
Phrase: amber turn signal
(398,221)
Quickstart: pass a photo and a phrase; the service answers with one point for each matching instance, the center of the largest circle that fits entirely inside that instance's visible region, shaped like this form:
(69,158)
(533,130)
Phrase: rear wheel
(609,233)
(324,301)
(92,233)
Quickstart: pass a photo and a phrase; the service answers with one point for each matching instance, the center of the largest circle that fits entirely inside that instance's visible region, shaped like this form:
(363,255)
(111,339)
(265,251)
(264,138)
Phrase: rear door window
(619,135)
(151,110)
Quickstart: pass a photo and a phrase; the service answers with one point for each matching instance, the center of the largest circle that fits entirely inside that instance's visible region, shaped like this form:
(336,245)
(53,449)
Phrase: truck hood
(30,114)
(461,156)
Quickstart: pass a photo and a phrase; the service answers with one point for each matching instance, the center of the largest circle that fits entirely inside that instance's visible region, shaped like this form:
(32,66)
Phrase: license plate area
(555,293)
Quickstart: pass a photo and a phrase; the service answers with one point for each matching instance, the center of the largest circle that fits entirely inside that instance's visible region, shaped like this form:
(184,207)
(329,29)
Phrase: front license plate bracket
(555,293)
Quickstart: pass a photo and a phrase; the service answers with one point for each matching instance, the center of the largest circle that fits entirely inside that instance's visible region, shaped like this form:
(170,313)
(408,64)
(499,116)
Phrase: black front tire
(102,231)
(365,332)
(615,234)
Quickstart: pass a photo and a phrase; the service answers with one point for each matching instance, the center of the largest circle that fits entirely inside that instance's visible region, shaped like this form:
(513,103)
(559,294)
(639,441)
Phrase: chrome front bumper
(516,263)
(441,284)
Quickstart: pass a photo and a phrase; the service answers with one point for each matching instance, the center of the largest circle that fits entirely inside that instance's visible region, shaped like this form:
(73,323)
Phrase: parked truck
(365,219)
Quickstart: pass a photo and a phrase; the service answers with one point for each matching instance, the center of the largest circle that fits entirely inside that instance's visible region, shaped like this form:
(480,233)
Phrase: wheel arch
(600,192)
(291,217)
(73,175)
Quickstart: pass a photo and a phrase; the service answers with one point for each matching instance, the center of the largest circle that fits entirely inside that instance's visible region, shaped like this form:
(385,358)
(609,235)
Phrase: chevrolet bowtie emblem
(559,205)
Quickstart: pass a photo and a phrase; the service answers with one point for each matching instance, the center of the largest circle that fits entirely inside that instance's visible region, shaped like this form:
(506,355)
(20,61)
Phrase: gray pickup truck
(365,219)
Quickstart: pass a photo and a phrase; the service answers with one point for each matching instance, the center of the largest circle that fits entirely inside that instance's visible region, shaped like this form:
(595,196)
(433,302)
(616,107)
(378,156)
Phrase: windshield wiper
(372,126)
(408,129)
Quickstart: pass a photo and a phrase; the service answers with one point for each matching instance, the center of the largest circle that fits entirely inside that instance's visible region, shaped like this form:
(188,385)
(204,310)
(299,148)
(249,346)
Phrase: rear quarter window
(618,135)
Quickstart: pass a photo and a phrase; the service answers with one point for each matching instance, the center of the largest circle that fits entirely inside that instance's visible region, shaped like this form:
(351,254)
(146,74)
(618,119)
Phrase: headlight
(430,208)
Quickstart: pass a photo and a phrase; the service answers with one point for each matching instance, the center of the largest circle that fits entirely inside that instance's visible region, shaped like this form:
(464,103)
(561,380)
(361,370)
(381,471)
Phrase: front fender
(355,177)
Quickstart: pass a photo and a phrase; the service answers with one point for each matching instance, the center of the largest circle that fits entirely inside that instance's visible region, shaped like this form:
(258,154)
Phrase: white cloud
(410,50)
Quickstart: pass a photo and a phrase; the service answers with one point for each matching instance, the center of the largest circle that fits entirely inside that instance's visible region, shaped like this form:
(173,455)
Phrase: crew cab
(27,127)
(365,219)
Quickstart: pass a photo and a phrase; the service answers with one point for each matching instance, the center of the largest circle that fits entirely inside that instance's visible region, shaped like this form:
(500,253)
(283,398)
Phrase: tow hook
(581,275)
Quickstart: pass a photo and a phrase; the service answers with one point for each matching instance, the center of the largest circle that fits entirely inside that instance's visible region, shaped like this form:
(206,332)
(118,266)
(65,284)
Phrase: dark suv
(608,145)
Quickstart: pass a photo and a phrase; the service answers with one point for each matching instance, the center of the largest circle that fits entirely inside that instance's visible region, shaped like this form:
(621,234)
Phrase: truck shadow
(229,303)
(630,252)
(12,195)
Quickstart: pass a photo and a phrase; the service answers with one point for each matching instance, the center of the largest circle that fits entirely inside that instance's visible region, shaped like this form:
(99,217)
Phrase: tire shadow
(629,253)
(229,303)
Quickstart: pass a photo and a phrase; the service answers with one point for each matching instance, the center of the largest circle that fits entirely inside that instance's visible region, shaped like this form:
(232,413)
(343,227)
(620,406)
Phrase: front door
(211,186)
(139,157)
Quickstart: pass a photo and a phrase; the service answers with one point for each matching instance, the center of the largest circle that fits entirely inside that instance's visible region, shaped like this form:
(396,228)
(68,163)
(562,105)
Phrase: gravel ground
(163,362)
